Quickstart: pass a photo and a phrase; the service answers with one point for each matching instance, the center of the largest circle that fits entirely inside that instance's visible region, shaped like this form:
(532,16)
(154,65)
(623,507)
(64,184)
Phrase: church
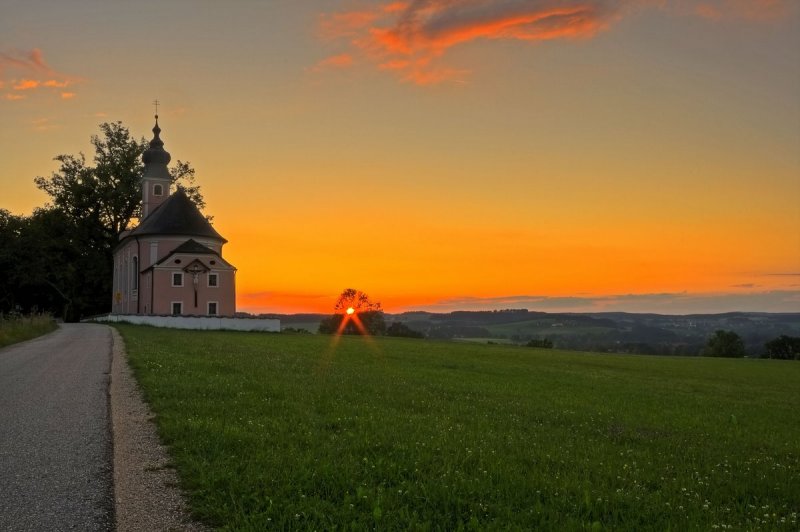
(171,263)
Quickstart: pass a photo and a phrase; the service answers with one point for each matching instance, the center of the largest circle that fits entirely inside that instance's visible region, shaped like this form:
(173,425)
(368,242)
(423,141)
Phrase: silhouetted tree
(352,308)
(355,299)
(108,194)
(60,258)
(783,347)
(724,344)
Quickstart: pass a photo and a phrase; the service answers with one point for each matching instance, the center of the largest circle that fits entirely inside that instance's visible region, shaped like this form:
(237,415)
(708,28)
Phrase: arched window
(135,272)
(158,190)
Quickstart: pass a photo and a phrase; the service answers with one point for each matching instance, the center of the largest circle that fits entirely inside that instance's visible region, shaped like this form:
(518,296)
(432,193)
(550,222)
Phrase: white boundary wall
(197,322)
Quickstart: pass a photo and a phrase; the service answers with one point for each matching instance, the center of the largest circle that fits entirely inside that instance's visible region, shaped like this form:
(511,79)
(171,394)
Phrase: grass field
(19,329)
(278,431)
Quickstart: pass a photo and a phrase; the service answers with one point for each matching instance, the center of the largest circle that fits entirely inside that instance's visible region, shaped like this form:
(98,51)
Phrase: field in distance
(293,432)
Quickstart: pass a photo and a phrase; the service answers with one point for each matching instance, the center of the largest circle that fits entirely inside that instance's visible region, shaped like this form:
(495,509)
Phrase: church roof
(177,216)
(193,246)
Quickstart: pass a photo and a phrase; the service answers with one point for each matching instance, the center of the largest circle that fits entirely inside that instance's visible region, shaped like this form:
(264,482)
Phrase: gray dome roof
(177,216)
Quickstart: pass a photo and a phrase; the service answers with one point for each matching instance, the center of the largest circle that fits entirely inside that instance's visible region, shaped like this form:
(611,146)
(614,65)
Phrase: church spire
(156,158)
(156,180)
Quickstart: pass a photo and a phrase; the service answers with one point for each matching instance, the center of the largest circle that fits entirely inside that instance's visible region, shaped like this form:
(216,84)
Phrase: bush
(545,343)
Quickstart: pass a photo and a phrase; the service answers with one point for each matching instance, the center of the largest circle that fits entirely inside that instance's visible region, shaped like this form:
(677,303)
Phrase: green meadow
(280,431)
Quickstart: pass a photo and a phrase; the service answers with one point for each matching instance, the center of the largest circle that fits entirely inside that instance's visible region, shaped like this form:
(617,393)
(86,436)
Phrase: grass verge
(20,328)
(284,431)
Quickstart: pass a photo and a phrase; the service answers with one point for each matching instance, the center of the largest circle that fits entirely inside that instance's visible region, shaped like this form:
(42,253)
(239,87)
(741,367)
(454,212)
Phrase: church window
(212,308)
(135,273)
(158,190)
(177,307)
(177,279)
(153,253)
(213,281)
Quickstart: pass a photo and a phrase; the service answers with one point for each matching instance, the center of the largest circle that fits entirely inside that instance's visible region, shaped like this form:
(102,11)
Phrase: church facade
(171,263)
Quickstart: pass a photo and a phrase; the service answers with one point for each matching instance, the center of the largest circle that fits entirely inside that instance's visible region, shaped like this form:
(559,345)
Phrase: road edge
(146,492)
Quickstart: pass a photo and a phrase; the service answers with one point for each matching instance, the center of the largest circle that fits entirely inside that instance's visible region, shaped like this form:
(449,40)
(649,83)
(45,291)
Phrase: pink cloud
(412,38)
(28,71)
(30,60)
(56,84)
(67,95)
(335,61)
(26,84)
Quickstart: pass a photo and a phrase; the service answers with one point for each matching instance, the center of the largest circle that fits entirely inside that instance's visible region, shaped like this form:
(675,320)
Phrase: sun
(350,310)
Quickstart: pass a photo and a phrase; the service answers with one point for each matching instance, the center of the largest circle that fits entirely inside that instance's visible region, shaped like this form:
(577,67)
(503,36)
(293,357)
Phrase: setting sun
(350,310)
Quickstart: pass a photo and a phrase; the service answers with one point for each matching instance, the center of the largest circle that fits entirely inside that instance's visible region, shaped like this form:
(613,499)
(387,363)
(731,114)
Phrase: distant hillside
(617,332)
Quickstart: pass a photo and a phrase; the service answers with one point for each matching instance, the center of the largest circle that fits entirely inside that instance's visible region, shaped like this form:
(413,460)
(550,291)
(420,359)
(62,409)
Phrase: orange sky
(554,155)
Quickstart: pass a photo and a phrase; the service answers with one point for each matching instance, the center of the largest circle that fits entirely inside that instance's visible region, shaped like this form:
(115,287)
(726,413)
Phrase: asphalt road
(55,434)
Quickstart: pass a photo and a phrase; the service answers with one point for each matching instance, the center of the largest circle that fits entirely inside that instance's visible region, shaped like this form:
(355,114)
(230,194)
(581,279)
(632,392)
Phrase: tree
(60,258)
(354,313)
(357,300)
(724,344)
(11,227)
(108,194)
(783,347)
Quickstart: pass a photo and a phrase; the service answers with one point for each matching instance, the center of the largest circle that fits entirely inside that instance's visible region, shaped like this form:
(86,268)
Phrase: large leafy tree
(59,259)
(724,344)
(107,194)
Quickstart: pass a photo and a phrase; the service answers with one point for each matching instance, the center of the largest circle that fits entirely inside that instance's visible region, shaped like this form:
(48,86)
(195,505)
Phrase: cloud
(31,60)
(56,84)
(44,124)
(335,61)
(412,39)
(660,303)
(26,84)
(67,95)
(27,71)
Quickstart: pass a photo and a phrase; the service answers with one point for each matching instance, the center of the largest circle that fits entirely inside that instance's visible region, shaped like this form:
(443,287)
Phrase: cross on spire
(156,103)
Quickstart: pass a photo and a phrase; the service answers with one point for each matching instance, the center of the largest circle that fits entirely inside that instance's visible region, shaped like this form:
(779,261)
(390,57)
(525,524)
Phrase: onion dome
(156,158)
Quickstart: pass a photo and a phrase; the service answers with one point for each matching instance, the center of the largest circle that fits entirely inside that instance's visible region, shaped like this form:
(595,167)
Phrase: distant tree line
(59,259)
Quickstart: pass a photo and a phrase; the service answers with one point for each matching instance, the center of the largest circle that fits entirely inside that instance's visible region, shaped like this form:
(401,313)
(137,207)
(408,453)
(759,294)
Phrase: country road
(55,437)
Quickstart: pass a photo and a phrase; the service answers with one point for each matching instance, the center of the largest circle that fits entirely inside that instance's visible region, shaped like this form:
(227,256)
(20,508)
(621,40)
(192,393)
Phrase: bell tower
(156,180)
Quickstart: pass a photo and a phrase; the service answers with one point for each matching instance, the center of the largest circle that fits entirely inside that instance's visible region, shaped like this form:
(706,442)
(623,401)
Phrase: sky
(556,155)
